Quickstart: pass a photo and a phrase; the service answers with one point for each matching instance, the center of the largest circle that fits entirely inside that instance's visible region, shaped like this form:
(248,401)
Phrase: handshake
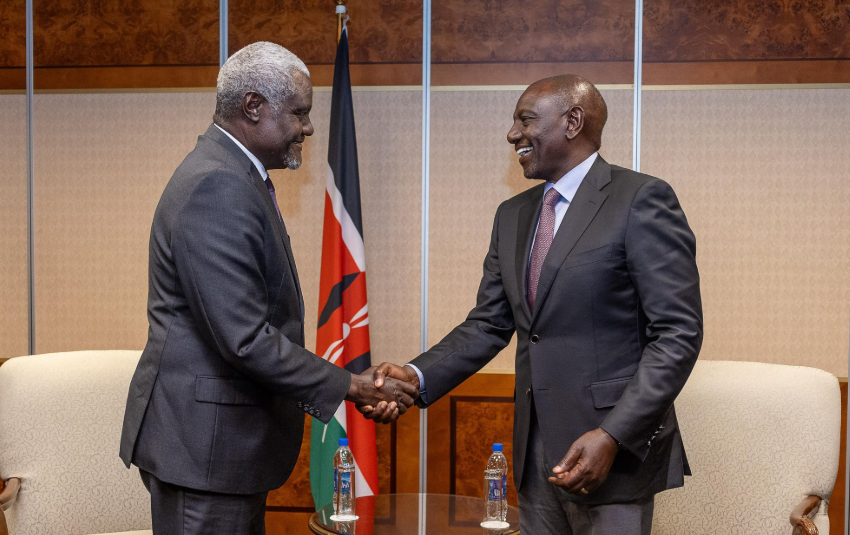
(383,393)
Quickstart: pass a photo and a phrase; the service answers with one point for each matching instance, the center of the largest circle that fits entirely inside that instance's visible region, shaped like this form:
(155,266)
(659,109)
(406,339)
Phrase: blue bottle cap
(343,442)
(497,447)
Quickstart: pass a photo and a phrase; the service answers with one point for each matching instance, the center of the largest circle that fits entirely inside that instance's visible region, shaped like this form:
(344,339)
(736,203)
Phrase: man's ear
(575,122)
(251,104)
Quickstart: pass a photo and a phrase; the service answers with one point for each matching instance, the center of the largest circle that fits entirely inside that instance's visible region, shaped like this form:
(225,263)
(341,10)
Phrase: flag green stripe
(322,460)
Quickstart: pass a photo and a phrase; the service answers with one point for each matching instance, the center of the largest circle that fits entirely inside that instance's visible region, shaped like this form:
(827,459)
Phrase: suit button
(534,338)
(527,391)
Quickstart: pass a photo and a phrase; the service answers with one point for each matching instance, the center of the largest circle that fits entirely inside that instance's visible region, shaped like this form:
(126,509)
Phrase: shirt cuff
(422,393)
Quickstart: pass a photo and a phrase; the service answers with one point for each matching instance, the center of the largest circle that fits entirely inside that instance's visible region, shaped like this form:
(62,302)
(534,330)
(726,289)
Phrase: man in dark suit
(215,410)
(595,271)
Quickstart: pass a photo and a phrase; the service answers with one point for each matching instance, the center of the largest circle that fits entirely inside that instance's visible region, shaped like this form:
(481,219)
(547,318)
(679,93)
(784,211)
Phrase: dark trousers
(178,510)
(545,510)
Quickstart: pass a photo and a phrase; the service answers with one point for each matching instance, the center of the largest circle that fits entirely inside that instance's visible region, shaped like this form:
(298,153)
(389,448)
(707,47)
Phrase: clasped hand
(385,392)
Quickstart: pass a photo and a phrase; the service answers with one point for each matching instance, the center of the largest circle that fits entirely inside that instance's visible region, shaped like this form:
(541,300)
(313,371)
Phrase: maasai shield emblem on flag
(343,328)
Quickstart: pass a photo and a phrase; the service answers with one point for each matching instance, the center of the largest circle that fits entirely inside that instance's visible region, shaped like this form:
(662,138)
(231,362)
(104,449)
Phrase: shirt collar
(568,184)
(254,160)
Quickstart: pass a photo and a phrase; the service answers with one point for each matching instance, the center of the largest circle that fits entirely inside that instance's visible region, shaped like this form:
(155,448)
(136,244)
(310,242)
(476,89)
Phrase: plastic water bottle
(344,481)
(492,498)
(498,464)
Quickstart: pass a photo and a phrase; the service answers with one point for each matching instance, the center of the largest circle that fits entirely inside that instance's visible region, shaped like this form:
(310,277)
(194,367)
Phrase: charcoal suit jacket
(614,334)
(218,399)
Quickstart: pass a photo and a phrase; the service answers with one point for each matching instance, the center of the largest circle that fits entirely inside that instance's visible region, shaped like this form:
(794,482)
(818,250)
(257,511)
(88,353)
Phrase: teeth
(523,150)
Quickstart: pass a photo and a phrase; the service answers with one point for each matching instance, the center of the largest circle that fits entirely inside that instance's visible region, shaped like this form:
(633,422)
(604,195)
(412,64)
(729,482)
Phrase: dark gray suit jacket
(616,329)
(218,399)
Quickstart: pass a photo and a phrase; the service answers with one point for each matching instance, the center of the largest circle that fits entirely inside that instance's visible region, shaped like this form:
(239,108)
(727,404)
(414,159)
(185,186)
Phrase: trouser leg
(634,518)
(178,510)
(540,510)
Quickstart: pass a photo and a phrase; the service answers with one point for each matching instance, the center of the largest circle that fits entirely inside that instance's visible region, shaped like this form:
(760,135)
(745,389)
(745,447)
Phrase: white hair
(262,67)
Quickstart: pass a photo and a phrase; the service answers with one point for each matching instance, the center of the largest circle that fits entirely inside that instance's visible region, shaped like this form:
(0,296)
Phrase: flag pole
(340,18)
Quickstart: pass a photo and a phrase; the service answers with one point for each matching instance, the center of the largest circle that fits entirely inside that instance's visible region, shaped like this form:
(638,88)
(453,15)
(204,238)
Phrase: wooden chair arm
(800,520)
(10,492)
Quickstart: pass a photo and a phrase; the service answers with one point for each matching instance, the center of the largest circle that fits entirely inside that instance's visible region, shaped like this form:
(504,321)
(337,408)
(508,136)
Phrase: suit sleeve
(218,250)
(475,342)
(661,258)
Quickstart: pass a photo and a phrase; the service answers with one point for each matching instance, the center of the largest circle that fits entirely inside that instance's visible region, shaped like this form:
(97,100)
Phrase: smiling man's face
(539,134)
(281,134)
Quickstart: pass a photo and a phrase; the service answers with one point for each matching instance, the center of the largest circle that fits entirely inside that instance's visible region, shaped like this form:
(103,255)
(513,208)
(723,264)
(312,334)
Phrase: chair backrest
(60,428)
(759,438)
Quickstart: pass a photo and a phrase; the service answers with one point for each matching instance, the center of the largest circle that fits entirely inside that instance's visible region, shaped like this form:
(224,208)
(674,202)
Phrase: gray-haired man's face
(281,134)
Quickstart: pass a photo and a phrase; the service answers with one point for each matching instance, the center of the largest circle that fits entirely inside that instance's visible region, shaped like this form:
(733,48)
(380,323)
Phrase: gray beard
(291,162)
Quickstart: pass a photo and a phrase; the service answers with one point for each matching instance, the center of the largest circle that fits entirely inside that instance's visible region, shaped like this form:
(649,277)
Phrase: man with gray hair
(215,410)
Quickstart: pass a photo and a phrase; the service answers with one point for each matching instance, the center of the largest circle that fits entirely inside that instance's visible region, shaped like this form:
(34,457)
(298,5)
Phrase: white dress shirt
(567,186)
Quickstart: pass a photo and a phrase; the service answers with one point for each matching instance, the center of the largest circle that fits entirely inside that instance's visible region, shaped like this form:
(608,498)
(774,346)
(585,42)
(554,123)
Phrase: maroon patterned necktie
(542,242)
(270,186)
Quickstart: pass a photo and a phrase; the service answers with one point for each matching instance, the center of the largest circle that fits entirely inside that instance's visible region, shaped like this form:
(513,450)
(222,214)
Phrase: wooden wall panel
(461,430)
(13,28)
(744,30)
(125,32)
(385,31)
(475,42)
(514,31)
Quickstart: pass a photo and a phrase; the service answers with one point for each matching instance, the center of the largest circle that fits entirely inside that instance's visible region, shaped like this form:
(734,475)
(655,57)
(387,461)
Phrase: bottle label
(495,493)
(336,475)
(504,486)
(345,483)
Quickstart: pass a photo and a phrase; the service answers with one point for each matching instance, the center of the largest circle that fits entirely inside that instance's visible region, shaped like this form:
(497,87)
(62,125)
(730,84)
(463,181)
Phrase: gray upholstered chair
(763,442)
(60,425)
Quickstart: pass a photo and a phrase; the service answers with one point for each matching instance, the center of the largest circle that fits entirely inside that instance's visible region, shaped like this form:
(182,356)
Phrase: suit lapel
(219,137)
(529,213)
(584,207)
(279,228)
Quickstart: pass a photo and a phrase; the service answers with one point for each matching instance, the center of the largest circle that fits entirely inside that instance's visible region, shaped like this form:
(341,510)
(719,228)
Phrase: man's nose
(307,129)
(513,135)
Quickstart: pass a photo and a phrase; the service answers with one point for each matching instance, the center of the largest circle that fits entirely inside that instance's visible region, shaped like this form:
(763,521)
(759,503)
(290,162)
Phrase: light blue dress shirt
(567,186)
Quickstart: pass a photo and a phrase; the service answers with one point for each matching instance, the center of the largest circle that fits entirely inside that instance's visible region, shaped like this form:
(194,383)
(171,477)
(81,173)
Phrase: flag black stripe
(360,364)
(342,145)
(335,298)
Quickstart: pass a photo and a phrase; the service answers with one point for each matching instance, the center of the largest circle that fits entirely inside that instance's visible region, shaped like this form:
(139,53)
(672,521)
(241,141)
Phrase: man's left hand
(585,466)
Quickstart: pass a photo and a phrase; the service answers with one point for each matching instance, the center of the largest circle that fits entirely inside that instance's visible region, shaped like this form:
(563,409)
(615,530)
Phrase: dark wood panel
(613,72)
(13,28)
(457,465)
(748,72)
(92,44)
(477,422)
(71,33)
(382,31)
(508,31)
(719,30)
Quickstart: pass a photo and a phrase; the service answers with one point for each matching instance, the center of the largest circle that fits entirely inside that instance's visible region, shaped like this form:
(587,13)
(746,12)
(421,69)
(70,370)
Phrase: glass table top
(391,514)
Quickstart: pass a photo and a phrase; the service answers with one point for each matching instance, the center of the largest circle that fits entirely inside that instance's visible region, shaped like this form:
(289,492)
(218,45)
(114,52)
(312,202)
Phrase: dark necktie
(542,242)
(270,186)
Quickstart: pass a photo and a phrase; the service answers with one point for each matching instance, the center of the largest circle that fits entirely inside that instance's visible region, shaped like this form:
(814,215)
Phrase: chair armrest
(803,525)
(10,492)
